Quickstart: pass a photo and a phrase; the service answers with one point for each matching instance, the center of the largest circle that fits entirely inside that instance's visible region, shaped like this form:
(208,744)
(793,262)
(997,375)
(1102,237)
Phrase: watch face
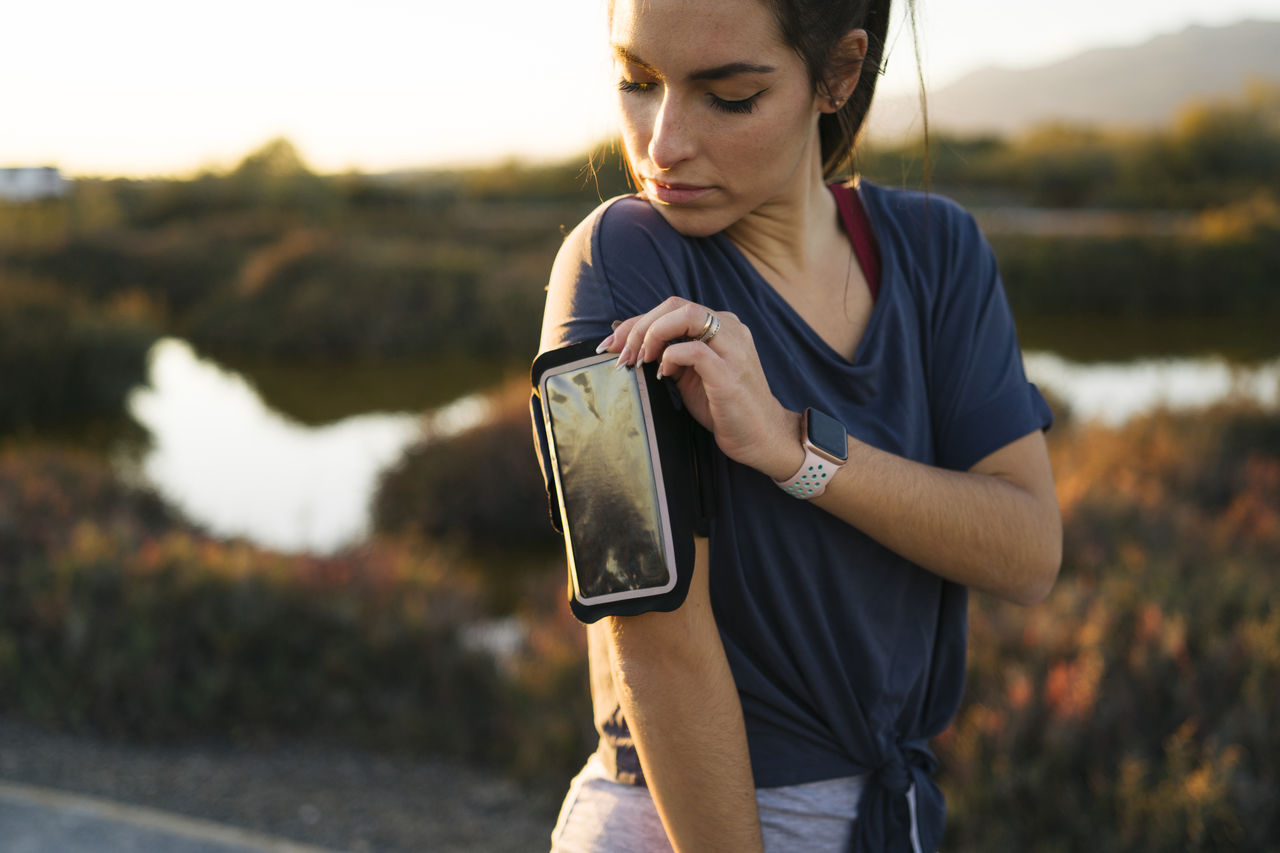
(828,434)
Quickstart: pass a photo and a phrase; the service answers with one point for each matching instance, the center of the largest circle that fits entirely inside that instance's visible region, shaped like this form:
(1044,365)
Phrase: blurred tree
(1215,153)
(1065,165)
(276,160)
(276,176)
(1232,139)
(61,361)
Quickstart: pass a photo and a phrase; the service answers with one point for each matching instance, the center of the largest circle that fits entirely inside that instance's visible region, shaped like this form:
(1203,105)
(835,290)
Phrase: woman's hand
(995,527)
(720,380)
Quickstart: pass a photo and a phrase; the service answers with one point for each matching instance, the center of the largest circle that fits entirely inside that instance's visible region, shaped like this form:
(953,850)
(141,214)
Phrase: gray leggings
(600,815)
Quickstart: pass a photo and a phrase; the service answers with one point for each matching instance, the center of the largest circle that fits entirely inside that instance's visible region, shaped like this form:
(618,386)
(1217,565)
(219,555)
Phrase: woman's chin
(692,221)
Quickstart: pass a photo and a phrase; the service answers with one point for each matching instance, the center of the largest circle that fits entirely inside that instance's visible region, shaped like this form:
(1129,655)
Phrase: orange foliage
(1134,709)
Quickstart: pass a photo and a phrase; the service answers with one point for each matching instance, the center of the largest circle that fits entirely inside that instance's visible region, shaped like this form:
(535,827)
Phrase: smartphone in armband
(623,468)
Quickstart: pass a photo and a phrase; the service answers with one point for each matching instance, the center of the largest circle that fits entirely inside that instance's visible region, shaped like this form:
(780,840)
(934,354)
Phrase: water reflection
(240,469)
(1114,393)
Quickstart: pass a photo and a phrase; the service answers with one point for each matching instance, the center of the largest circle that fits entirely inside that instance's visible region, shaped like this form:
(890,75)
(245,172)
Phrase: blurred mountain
(1136,86)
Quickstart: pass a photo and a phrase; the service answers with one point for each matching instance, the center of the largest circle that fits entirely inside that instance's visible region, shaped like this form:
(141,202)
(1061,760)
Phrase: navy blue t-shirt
(847,657)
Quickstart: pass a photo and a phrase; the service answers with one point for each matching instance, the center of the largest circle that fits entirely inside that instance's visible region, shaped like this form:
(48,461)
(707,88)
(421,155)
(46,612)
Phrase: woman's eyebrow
(627,56)
(731,69)
(719,72)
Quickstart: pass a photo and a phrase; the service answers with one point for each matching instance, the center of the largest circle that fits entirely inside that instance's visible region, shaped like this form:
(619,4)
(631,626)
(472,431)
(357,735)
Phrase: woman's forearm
(995,527)
(682,707)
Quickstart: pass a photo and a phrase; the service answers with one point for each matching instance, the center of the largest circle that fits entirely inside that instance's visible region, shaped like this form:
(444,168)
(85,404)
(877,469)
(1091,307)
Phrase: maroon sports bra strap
(858,225)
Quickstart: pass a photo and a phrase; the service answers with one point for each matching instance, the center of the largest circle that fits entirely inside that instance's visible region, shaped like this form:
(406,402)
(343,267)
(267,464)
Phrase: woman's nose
(672,140)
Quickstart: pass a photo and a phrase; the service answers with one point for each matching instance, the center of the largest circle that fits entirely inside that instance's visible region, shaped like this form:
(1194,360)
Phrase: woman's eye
(634,86)
(739,107)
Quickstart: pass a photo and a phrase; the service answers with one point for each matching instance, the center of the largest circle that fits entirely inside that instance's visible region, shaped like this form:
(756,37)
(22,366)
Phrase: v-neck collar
(877,306)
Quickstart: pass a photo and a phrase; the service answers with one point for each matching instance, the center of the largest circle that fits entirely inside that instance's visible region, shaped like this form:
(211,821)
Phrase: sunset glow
(144,87)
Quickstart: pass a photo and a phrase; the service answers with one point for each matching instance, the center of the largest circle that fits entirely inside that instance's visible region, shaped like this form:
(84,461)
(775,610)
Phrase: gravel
(331,797)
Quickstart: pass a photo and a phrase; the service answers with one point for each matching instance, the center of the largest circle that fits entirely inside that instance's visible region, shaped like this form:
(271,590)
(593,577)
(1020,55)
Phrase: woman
(788,702)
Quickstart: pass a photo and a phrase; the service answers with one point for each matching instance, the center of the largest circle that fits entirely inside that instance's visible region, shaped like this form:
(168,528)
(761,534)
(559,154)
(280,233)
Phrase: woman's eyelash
(740,107)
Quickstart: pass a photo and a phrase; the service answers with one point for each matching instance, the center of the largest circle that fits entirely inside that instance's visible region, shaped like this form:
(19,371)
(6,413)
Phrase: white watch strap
(811,480)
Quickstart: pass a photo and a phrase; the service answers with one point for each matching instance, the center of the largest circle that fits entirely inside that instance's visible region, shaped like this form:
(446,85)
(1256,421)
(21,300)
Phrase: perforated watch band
(811,480)
(824,442)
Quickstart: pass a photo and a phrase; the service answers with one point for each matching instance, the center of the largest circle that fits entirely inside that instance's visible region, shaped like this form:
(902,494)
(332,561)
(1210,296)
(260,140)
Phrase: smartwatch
(826,449)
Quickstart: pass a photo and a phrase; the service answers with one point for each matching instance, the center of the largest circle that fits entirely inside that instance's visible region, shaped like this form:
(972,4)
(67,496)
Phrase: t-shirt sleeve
(579,307)
(979,394)
(579,304)
(619,262)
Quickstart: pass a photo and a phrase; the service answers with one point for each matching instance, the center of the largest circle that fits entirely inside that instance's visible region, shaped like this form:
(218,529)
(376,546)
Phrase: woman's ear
(845,68)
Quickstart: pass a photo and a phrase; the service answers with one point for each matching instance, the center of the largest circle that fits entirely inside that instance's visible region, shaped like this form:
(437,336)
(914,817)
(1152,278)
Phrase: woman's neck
(790,238)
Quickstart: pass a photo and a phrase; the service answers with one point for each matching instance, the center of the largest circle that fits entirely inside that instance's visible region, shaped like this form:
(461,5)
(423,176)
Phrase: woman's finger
(630,334)
(614,341)
(637,328)
(728,394)
(690,355)
(689,322)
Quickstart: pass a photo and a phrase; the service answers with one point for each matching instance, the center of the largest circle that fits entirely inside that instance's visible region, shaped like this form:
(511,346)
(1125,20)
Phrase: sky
(157,87)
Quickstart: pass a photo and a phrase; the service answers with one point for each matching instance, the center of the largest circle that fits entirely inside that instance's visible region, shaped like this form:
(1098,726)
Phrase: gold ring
(706,327)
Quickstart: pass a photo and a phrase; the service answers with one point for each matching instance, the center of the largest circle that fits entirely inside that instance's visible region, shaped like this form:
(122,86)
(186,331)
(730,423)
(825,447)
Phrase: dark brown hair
(813,29)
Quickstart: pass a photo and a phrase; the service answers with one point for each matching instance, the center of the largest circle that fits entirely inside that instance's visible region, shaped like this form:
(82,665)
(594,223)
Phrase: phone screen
(611,497)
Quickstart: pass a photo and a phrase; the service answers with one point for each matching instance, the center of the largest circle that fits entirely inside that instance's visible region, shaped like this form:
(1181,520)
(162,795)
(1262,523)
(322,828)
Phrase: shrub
(1131,711)
(117,617)
(61,362)
(1150,278)
(323,296)
(478,488)
(482,491)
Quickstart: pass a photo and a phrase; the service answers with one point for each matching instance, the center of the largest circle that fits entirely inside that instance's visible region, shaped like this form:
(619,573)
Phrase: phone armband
(624,481)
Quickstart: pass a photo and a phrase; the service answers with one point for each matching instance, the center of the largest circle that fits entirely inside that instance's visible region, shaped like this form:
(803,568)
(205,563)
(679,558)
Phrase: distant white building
(30,184)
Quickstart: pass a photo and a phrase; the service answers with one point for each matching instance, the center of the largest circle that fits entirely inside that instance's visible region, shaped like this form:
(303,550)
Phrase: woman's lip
(668,193)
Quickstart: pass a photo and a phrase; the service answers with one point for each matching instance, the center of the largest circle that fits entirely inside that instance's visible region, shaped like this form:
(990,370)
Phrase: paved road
(41,820)
(56,789)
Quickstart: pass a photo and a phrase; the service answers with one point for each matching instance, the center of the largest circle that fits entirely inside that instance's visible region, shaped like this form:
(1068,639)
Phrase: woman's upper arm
(670,638)
(980,399)
(1024,464)
(621,261)
(579,301)
(988,419)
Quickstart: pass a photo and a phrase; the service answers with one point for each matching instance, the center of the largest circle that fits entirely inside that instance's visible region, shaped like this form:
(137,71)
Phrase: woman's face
(718,114)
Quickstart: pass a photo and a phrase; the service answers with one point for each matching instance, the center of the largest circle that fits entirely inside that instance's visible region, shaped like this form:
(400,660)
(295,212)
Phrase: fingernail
(615,324)
(659,372)
(604,345)
(623,358)
(641,359)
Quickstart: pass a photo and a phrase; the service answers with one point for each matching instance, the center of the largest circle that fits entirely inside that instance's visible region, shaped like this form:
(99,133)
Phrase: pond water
(242,469)
(1113,392)
(239,468)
